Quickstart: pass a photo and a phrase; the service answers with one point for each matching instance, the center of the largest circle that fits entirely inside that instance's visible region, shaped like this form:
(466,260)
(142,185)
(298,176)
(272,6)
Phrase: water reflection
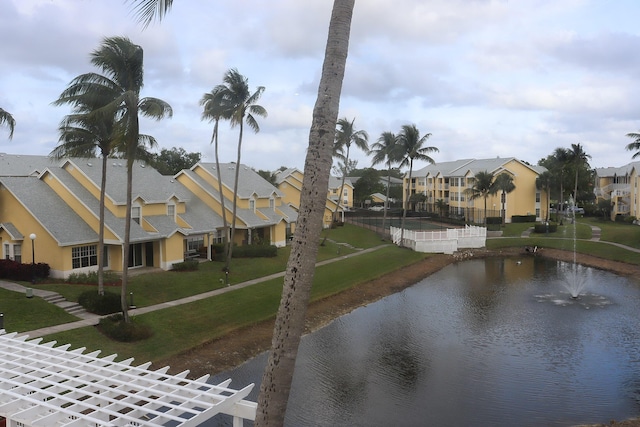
(483,342)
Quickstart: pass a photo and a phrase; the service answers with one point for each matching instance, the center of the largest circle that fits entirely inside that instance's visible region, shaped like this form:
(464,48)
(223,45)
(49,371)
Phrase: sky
(486,78)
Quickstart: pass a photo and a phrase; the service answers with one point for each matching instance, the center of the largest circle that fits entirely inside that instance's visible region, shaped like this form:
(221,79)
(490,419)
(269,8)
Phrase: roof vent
(89,164)
(142,165)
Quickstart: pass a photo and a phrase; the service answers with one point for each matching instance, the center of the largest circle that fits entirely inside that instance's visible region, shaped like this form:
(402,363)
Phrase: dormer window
(252,204)
(272,203)
(171,211)
(135,214)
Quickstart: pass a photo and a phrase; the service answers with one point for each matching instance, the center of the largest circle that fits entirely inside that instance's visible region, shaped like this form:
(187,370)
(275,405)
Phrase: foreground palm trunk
(289,325)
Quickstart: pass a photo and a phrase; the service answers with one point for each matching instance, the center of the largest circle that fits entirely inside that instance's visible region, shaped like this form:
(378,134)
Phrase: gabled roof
(617,171)
(51,212)
(24,165)
(336,182)
(463,167)
(283,175)
(12,231)
(289,212)
(250,181)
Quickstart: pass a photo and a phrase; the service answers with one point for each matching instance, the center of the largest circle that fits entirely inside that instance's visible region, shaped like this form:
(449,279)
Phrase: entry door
(135,255)
(148,254)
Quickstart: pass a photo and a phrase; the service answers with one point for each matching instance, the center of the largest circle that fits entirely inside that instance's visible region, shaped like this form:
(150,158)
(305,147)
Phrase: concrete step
(54,299)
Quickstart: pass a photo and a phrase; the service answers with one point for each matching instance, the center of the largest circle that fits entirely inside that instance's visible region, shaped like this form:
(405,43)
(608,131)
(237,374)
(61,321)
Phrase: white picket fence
(442,241)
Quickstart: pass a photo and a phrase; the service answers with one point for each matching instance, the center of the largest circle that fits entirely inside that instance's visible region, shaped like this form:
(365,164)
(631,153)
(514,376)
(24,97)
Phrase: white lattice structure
(43,385)
(442,241)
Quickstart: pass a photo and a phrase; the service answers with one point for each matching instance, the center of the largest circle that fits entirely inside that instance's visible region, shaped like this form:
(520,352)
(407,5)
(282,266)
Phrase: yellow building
(289,182)
(445,185)
(172,217)
(622,187)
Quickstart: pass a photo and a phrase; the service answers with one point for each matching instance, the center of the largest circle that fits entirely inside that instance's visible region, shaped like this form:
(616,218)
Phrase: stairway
(72,308)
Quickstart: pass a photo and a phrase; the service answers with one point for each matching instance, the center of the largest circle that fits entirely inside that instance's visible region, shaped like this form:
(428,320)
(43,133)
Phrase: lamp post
(32,236)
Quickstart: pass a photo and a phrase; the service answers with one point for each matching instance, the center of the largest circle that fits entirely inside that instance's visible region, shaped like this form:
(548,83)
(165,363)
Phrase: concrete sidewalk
(93,319)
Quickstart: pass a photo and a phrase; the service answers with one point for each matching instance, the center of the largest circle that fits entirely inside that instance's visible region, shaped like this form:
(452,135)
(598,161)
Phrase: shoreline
(233,349)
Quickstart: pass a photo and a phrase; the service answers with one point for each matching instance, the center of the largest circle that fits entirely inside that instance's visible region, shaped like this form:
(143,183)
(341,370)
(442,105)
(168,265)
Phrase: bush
(494,220)
(191,265)
(544,228)
(255,251)
(91,278)
(100,304)
(117,329)
(13,270)
(523,218)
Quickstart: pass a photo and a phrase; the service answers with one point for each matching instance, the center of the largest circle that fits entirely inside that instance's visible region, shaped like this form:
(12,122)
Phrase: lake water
(495,342)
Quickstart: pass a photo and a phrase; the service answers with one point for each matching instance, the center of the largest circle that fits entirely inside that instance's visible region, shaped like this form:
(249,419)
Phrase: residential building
(346,199)
(621,186)
(447,183)
(289,182)
(172,217)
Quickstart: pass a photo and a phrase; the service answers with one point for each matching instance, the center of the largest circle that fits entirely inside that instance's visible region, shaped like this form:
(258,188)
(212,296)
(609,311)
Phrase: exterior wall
(279,234)
(171,251)
(291,188)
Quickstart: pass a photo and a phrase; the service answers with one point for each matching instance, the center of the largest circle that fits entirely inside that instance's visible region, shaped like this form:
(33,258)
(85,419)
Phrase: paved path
(93,319)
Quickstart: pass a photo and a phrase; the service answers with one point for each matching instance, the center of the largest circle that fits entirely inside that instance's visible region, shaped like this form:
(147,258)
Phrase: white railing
(442,241)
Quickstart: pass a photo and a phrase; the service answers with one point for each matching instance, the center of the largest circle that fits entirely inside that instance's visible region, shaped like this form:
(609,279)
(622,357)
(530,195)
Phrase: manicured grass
(182,327)
(619,232)
(25,314)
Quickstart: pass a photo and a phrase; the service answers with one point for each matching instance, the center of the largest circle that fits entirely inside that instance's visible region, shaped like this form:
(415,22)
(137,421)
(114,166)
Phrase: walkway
(595,234)
(90,319)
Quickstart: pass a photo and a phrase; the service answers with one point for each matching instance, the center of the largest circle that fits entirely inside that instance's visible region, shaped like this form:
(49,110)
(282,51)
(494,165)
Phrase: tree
(215,109)
(367,184)
(635,145)
(412,148)
(121,61)
(386,150)
(84,134)
(7,119)
(442,206)
(289,323)
(483,186)
(504,184)
(346,134)
(242,107)
(268,176)
(580,159)
(543,182)
(172,161)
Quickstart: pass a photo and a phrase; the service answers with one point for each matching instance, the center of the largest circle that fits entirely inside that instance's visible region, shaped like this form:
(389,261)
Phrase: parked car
(576,209)
(376,208)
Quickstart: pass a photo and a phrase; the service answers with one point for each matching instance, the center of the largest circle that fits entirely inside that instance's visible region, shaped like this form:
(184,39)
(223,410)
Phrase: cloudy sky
(487,78)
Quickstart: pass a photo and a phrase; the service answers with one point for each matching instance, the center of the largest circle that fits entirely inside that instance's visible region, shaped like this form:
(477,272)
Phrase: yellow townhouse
(444,185)
(57,203)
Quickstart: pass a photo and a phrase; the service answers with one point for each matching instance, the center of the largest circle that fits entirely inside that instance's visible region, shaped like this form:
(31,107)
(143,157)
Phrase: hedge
(95,303)
(523,218)
(13,270)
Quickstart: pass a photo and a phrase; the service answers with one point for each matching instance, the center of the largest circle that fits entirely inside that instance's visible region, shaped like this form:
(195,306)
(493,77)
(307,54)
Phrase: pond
(495,342)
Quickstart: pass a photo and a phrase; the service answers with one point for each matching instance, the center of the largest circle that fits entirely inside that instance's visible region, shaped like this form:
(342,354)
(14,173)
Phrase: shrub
(255,251)
(100,304)
(91,278)
(13,270)
(191,265)
(494,220)
(544,228)
(117,329)
(523,218)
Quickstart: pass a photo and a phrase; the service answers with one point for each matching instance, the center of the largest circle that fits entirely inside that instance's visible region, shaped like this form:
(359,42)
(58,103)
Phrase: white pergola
(43,385)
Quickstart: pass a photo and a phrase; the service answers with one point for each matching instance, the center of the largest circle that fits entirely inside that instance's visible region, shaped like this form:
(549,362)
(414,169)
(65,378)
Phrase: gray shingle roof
(24,165)
(12,230)
(250,182)
(64,225)
(460,168)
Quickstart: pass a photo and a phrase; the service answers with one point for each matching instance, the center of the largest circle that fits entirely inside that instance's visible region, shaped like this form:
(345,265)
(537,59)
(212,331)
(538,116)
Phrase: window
(135,214)
(17,253)
(252,205)
(84,256)
(6,251)
(537,197)
(195,243)
(272,203)
(171,211)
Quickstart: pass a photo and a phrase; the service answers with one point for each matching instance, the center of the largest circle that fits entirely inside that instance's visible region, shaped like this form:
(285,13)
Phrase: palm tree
(561,158)
(412,148)
(289,323)
(385,150)
(345,136)
(83,134)
(543,182)
(579,158)
(504,184)
(121,62)
(635,145)
(215,109)
(7,119)
(483,187)
(441,205)
(242,107)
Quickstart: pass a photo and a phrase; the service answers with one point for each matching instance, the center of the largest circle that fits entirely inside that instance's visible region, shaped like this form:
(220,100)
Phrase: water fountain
(574,278)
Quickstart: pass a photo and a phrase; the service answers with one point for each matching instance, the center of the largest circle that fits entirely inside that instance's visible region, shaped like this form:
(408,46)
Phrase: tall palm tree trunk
(235,201)
(103,184)
(127,239)
(289,324)
(406,203)
(225,226)
(386,202)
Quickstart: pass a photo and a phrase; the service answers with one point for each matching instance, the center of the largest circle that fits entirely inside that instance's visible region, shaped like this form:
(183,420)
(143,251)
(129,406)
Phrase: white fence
(443,241)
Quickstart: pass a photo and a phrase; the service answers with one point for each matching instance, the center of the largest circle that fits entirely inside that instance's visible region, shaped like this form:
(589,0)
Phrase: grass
(182,327)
